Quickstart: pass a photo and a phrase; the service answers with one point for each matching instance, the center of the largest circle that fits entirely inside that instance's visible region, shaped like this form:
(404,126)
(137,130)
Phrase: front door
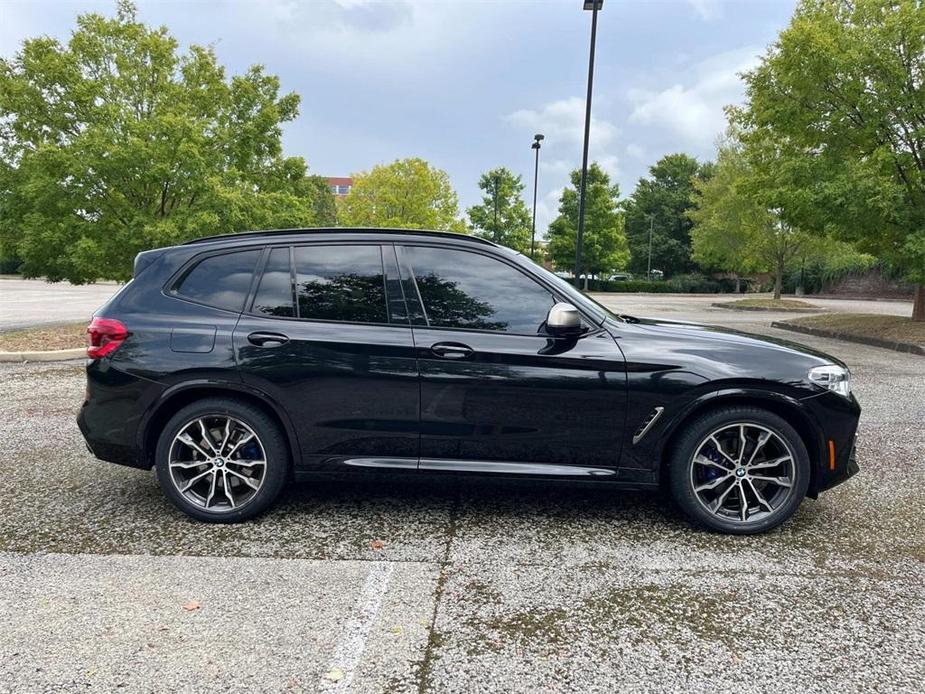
(327,340)
(497,393)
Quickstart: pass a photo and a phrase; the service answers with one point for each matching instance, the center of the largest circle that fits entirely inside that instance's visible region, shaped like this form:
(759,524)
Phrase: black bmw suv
(236,363)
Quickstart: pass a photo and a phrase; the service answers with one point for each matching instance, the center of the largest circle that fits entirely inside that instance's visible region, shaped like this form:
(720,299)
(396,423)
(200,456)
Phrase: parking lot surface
(36,302)
(402,585)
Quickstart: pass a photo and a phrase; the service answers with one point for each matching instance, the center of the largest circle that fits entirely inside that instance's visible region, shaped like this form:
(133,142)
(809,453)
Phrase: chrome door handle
(451,350)
(267,339)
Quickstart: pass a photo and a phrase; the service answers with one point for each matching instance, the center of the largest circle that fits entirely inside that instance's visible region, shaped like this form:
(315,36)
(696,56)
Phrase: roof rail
(338,230)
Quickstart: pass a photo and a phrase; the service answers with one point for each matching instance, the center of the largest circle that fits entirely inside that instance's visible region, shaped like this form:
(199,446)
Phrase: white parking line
(339,674)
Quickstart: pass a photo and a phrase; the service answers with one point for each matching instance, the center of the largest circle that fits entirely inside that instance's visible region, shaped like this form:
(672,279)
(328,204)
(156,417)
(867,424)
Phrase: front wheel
(739,470)
(221,460)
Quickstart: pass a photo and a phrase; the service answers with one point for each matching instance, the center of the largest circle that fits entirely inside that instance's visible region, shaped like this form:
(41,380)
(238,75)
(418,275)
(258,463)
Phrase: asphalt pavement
(452,586)
(25,303)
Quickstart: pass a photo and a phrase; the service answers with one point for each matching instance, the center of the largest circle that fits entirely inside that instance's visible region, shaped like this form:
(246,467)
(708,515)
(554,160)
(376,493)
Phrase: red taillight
(104,336)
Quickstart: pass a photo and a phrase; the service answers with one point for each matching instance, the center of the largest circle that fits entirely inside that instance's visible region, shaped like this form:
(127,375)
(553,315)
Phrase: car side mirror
(563,320)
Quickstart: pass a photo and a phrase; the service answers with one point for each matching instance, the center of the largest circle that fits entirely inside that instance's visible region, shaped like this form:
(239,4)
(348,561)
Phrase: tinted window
(468,290)
(343,283)
(221,280)
(393,286)
(274,294)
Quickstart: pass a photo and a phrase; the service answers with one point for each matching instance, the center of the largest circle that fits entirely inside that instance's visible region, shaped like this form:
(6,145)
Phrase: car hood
(715,352)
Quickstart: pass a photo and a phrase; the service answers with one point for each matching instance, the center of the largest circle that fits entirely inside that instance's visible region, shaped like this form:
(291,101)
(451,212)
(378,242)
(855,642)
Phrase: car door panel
(528,399)
(502,394)
(354,386)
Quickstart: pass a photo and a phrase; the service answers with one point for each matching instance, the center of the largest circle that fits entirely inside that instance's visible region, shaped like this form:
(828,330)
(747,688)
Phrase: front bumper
(838,423)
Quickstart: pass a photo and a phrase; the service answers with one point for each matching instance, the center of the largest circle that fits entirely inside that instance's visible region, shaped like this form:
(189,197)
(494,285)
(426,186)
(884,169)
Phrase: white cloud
(556,166)
(563,121)
(692,108)
(636,152)
(375,36)
(610,163)
(707,10)
(547,209)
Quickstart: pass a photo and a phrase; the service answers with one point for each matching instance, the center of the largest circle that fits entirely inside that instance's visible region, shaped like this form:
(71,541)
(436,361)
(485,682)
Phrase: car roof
(280,234)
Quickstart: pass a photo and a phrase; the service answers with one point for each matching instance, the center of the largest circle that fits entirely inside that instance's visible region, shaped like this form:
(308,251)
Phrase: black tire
(269,436)
(681,473)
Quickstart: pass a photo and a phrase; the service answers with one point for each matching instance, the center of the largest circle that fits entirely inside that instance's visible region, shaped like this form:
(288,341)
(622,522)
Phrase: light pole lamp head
(536,141)
(594,5)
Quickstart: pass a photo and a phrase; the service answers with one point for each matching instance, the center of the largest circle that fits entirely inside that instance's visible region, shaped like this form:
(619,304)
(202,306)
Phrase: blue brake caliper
(708,473)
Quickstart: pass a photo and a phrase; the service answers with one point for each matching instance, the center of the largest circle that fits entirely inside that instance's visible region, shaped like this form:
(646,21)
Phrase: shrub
(9,266)
(680,284)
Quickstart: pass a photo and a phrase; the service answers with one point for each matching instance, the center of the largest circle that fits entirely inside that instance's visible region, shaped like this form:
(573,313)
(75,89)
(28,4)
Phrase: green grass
(66,336)
(771,304)
(891,328)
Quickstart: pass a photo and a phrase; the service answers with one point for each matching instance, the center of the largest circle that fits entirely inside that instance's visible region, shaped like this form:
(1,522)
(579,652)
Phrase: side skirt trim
(507,468)
(401,463)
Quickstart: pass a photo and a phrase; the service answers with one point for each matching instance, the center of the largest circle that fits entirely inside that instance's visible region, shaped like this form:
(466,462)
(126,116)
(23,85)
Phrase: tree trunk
(918,306)
(778,281)
(738,285)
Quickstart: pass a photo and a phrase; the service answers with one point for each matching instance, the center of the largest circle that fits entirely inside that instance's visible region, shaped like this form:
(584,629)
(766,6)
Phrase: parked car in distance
(236,363)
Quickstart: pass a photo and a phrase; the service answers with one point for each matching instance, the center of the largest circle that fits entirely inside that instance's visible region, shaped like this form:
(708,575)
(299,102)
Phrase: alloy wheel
(217,463)
(743,472)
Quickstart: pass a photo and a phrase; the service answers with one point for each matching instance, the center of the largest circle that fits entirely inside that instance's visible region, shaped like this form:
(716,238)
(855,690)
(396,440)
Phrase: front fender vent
(647,424)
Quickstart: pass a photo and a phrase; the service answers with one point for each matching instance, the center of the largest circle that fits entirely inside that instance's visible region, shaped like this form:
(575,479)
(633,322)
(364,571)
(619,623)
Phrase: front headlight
(832,377)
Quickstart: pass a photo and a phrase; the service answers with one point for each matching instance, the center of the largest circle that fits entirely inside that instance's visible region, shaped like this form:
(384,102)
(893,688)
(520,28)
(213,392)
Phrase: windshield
(597,310)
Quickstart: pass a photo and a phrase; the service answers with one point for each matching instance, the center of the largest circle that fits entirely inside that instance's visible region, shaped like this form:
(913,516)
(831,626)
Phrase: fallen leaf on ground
(191,606)
(377,544)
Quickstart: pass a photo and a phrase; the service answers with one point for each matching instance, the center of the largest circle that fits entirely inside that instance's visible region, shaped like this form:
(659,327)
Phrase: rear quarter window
(222,281)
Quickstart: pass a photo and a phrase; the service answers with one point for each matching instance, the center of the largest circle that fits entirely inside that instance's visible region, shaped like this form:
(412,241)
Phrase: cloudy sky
(465,84)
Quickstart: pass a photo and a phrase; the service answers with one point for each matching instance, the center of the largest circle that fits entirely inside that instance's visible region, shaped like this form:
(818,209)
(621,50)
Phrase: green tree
(660,204)
(843,87)
(316,190)
(408,193)
(724,218)
(744,219)
(503,216)
(604,248)
(115,143)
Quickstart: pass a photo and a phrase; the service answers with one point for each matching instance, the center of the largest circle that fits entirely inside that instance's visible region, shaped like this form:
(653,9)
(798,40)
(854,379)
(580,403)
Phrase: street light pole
(594,6)
(496,209)
(537,139)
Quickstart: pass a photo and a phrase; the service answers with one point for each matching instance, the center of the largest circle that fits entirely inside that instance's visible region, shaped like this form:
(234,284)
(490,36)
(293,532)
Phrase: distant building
(340,186)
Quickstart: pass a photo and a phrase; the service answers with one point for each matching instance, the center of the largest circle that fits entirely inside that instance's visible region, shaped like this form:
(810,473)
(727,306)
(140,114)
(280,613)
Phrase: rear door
(326,337)
(498,394)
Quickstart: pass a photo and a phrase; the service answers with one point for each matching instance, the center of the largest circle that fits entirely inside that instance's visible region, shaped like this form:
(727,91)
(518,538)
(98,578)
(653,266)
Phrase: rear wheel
(739,470)
(221,460)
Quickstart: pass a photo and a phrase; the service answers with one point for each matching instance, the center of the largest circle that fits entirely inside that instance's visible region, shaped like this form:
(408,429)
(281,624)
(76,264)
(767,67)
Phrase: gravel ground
(478,586)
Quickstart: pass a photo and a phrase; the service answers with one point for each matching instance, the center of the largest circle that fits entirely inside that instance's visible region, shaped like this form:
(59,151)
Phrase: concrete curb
(52,355)
(729,307)
(905,347)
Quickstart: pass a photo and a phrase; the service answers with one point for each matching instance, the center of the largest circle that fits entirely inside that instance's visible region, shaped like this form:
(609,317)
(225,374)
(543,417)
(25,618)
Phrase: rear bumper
(111,450)
(109,416)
